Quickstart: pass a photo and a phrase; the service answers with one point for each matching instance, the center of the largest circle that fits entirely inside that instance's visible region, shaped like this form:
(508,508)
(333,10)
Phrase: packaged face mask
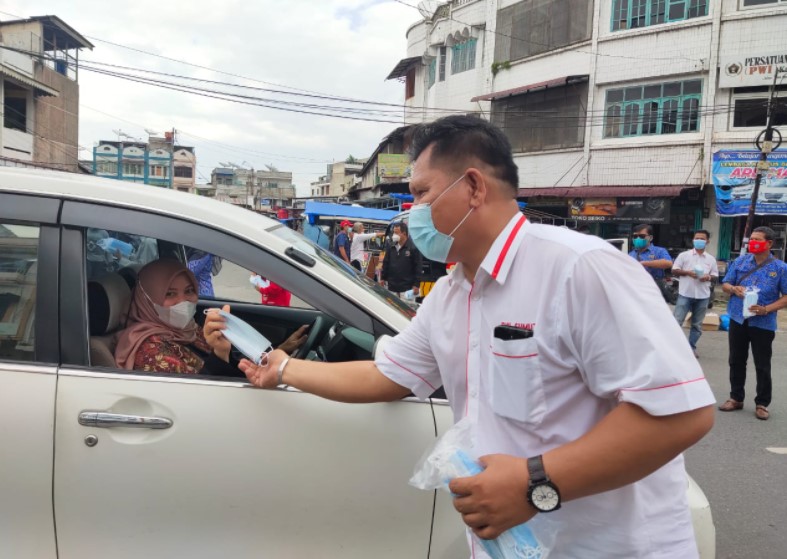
(245,338)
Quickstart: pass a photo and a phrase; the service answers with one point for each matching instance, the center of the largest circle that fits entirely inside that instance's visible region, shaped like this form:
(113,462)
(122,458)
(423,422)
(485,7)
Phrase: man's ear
(479,188)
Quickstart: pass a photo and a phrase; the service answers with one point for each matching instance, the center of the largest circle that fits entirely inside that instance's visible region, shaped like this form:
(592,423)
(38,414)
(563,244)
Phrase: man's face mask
(757,246)
(245,338)
(432,243)
(396,238)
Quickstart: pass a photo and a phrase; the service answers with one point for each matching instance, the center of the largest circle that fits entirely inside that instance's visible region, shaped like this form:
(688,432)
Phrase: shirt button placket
(474,355)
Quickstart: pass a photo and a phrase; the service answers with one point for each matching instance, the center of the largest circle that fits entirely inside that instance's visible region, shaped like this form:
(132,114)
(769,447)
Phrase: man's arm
(662,264)
(627,445)
(343,253)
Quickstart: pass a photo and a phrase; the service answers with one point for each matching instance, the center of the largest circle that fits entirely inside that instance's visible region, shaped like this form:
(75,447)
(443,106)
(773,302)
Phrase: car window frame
(41,212)
(77,216)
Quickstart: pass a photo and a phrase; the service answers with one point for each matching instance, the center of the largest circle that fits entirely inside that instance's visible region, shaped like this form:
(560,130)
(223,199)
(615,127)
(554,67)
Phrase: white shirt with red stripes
(601,335)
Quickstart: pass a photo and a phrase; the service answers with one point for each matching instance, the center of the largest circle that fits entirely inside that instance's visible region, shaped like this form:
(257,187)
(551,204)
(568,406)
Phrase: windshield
(308,247)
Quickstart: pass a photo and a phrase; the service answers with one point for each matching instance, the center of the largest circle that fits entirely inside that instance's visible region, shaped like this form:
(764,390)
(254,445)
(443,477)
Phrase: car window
(18,266)
(111,251)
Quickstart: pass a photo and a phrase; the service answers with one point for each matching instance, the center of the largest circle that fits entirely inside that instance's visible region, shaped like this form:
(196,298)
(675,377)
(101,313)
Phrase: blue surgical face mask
(433,244)
(640,243)
(699,244)
(245,338)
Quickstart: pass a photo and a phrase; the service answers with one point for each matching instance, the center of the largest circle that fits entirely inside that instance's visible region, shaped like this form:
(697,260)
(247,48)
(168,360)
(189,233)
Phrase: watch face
(545,498)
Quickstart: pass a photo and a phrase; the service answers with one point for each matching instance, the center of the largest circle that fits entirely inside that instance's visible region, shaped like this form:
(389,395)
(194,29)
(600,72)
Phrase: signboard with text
(734,173)
(628,210)
(393,165)
(751,70)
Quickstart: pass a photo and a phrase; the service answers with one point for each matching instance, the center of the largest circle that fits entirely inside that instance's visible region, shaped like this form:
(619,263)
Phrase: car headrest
(130,274)
(108,298)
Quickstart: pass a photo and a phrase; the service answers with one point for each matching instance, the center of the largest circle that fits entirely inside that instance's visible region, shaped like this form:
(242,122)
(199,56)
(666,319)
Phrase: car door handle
(108,420)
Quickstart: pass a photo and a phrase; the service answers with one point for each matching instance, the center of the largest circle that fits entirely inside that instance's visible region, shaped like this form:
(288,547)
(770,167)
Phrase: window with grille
(441,69)
(132,169)
(184,172)
(432,72)
(531,27)
(547,119)
(409,84)
(633,14)
(750,107)
(645,110)
(463,56)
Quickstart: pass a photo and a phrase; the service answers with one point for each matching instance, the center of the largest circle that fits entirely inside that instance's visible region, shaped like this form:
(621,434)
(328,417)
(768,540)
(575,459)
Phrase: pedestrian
(696,269)
(757,269)
(357,253)
(402,264)
(550,343)
(273,294)
(341,244)
(201,265)
(654,259)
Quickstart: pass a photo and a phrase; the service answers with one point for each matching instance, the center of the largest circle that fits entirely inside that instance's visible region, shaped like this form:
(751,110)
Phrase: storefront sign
(629,210)
(756,69)
(393,166)
(734,173)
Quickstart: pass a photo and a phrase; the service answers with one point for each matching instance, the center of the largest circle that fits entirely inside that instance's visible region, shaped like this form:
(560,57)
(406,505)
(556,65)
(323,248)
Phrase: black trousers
(761,341)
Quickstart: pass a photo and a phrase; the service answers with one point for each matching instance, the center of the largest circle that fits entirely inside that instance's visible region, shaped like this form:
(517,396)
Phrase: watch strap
(535,467)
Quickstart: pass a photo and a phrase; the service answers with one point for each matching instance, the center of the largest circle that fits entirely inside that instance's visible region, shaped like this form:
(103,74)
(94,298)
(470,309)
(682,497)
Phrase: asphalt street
(741,465)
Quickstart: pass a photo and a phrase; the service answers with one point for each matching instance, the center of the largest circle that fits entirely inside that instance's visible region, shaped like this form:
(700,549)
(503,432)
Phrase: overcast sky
(339,47)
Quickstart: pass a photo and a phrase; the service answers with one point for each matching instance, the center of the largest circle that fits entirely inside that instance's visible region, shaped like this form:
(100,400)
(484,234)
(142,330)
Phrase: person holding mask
(356,246)
(595,417)
(696,269)
(756,269)
(341,244)
(161,334)
(402,265)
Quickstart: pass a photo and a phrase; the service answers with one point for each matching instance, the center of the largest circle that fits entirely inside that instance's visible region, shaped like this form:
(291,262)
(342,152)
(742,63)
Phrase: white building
(615,105)
(259,189)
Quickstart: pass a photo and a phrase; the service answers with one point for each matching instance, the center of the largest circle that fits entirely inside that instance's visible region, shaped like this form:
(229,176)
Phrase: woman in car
(161,334)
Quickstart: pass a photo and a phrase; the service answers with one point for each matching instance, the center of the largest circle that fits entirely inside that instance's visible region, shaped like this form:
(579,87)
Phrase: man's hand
(739,290)
(214,324)
(706,277)
(267,375)
(496,499)
(295,340)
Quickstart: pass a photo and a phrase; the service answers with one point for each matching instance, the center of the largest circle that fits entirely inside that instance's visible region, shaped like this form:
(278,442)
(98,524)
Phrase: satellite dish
(427,8)
(151,132)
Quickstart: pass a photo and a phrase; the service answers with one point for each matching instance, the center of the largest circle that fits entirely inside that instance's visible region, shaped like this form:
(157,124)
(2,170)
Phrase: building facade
(40,93)
(158,162)
(339,179)
(265,190)
(616,109)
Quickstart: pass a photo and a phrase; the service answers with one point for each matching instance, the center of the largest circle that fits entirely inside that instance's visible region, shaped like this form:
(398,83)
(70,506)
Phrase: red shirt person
(272,294)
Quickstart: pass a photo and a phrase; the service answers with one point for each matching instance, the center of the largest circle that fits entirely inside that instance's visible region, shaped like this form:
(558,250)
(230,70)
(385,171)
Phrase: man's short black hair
(704,232)
(457,138)
(401,225)
(769,233)
(648,228)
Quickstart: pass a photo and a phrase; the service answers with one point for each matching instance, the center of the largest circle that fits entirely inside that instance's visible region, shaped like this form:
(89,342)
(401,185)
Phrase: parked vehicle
(129,464)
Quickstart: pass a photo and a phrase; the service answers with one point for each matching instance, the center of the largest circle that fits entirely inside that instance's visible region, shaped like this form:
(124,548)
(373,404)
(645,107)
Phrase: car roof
(234,220)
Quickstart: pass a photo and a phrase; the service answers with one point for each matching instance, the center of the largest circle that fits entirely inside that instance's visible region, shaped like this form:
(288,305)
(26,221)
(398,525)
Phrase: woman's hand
(214,324)
(295,341)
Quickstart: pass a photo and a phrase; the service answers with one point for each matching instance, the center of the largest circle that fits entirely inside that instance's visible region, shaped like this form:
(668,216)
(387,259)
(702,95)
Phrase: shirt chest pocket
(516,383)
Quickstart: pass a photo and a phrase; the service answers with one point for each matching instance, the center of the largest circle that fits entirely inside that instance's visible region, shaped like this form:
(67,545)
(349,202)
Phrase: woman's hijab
(143,322)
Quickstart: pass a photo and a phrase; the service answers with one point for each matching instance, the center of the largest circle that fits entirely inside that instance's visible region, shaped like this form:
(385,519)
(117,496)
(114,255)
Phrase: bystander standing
(402,265)
(357,253)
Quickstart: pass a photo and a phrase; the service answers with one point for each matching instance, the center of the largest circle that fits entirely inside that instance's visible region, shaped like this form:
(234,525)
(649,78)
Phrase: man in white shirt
(356,247)
(696,269)
(552,343)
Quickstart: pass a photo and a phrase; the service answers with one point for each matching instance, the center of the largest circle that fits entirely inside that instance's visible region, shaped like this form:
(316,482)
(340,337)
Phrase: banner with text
(734,173)
(630,210)
(751,70)
(393,166)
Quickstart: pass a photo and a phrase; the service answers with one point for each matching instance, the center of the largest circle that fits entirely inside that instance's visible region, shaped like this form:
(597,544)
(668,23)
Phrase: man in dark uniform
(402,263)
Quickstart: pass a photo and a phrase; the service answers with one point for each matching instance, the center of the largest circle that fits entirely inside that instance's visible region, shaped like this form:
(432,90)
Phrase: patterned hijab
(143,320)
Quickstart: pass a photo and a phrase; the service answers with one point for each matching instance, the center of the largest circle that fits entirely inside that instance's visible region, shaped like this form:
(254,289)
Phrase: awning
(403,66)
(667,191)
(559,82)
(17,76)
(336,212)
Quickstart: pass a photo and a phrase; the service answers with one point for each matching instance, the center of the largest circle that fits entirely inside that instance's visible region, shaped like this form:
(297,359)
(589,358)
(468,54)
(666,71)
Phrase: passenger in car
(161,334)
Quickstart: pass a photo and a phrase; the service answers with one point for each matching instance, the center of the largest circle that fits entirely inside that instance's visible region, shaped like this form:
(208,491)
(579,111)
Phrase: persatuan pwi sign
(751,70)
(734,174)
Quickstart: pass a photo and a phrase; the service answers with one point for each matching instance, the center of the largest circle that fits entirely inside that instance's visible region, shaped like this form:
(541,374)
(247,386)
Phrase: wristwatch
(541,492)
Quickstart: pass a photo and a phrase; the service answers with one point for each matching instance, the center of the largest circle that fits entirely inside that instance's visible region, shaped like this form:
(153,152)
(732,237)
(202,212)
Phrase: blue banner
(734,173)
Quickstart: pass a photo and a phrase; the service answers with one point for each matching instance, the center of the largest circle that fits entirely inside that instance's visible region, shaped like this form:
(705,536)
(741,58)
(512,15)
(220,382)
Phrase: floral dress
(165,356)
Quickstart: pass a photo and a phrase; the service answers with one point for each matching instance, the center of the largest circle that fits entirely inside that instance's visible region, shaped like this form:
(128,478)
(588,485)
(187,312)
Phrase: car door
(29,240)
(237,472)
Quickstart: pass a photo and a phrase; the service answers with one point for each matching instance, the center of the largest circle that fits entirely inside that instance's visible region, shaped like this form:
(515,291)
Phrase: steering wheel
(314,332)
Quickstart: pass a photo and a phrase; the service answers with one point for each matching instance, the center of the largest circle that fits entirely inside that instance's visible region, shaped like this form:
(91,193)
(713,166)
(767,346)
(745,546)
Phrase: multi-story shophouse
(619,111)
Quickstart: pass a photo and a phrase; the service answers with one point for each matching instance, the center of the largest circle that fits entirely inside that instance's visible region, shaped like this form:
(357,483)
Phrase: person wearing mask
(341,244)
(402,265)
(696,269)
(273,294)
(356,246)
(161,334)
(653,258)
(593,419)
(755,326)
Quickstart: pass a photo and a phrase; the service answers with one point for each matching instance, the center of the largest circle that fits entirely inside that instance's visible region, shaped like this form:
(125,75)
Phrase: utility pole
(765,148)
(172,162)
